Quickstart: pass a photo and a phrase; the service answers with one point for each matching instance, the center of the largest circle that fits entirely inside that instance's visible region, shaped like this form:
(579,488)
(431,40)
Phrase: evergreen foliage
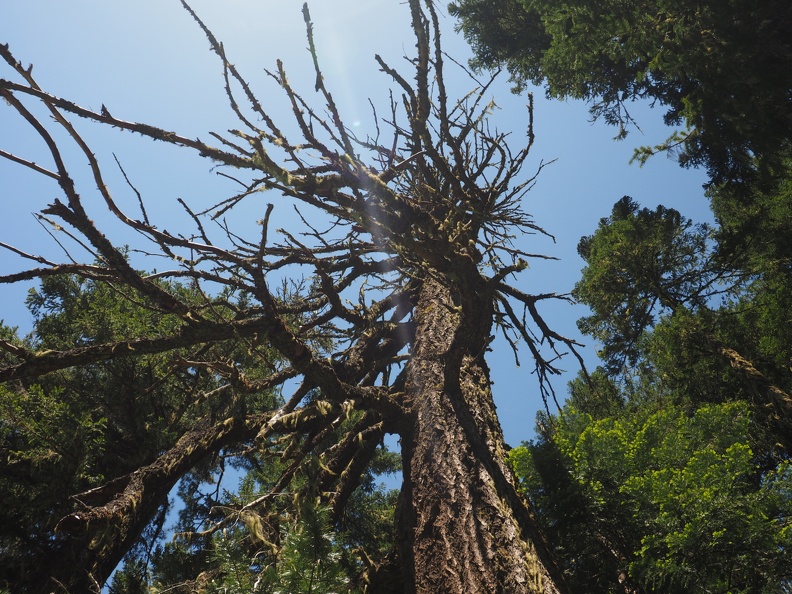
(665,501)
(668,469)
(722,71)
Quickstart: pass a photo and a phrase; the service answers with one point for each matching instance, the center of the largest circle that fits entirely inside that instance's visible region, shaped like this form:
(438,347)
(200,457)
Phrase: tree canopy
(667,470)
(660,499)
(720,70)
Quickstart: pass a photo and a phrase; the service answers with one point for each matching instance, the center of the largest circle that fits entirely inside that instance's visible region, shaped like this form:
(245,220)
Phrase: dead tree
(409,282)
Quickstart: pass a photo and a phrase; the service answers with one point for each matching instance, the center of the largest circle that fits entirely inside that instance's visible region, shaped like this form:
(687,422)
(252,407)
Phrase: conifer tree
(406,282)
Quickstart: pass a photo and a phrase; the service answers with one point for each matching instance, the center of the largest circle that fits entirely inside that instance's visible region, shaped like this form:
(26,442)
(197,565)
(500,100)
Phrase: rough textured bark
(465,528)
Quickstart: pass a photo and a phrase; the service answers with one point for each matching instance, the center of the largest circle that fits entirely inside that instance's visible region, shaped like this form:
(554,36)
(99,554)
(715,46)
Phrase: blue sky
(148,61)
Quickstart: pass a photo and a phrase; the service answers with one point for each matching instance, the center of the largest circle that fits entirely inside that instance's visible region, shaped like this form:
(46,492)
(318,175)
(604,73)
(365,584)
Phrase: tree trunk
(463,526)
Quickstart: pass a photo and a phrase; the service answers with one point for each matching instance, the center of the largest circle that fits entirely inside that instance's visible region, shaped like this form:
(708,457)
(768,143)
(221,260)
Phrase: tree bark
(463,526)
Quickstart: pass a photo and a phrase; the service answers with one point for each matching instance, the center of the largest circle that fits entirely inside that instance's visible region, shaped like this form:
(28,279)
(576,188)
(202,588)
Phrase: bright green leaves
(519,459)
(688,480)
(675,496)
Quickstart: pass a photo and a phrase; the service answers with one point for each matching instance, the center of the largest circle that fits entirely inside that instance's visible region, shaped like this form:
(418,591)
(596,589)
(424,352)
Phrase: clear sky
(147,61)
